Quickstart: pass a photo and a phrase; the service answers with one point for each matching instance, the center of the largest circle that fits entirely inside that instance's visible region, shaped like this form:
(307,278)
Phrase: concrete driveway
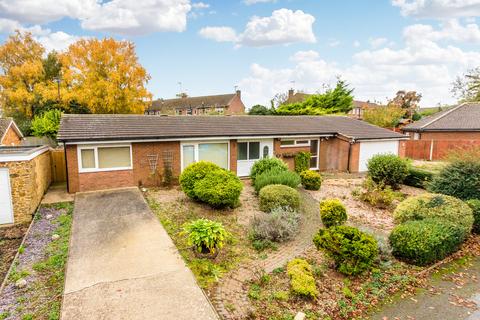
(123,265)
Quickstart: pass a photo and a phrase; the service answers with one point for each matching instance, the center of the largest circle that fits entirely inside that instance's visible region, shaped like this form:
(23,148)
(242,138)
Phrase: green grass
(174,215)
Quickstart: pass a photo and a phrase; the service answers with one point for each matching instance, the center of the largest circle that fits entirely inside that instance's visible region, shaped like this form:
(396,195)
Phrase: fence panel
(436,149)
(418,149)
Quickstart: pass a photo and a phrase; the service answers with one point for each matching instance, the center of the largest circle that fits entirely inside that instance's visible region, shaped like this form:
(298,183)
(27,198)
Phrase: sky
(264,47)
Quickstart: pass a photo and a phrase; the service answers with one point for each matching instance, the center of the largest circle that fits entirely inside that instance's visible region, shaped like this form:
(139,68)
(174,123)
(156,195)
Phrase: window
(248,151)
(216,152)
(295,143)
(104,158)
(416,136)
(314,154)
(189,112)
(219,110)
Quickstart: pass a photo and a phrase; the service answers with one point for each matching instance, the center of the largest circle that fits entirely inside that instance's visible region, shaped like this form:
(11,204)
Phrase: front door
(250,151)
(6,212)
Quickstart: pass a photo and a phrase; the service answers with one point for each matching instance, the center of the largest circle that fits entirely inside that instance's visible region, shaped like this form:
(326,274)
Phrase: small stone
(21,283)
(144,189)
(55,237)
(49,216)
(299,316)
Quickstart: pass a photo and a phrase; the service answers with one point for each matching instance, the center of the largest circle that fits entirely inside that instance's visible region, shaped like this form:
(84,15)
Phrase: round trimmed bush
(266,164)
(219,188)
(352,250)
(460,179)
(276,176)
(277,195)
(193,173)
(474,204)
(431,205)
(426,241)
(311,180)
(387,169)
(332,212)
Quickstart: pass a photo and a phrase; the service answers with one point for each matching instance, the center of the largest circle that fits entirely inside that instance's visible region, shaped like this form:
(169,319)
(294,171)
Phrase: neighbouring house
(224,104)
(25,174)
(433,136)
(110,151)
(10,134)
(358,106)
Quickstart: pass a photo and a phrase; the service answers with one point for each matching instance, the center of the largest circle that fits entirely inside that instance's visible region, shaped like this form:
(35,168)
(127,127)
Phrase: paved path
(123,265)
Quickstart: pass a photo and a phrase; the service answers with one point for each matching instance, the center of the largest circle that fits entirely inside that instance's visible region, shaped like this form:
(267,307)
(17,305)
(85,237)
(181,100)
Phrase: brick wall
(28,180)
(11,138)
(287,154)
(233,155)
(449,135)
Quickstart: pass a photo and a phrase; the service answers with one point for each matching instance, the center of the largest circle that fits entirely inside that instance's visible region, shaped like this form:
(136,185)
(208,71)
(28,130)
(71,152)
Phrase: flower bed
(10,240)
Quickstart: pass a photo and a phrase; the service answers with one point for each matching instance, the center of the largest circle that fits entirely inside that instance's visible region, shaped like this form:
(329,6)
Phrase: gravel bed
(36,242)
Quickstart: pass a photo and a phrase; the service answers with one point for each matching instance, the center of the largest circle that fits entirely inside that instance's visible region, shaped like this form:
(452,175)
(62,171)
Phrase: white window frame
(195,150)
(260,151)
(318,155)
(95,154)
(295,143)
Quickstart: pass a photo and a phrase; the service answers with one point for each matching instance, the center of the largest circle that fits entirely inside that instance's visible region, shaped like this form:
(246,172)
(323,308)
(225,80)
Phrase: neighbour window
(105,158)
(295,143)
(219,110)
(248,151)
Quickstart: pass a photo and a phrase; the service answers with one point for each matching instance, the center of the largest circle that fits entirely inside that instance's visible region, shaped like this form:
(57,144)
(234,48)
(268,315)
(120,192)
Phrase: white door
(249,151)
(6,212)
(370,148)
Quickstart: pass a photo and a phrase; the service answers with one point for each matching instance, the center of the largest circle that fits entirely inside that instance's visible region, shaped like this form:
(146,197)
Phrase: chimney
(239,93)
(290,93)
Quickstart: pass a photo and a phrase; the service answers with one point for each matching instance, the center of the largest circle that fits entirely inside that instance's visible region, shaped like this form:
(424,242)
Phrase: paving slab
(123,265)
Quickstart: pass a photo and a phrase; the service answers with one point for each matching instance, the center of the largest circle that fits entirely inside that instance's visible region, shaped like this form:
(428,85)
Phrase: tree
(260,110)
(278,100)
(407,100)
(384,116)
(467,87)
(47,124)
(105,76)
(334,101)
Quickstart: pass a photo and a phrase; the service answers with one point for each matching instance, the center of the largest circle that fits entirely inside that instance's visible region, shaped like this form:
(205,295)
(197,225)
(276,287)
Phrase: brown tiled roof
(165,105)
(300,96)
(138,127)
(464,117)
(4,124)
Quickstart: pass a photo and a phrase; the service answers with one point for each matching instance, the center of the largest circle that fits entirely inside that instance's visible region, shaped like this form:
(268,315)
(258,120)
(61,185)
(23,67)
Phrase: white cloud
(302,56)
(249,2)
(220,34)
(284,26)
(377,42)
(450,30)
(200,5)
(333,43)
(438,8)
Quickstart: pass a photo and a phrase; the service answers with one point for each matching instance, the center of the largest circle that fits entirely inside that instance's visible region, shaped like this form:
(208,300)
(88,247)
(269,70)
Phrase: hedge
(418,178)
(460,179)
(219,188)
(302,161)
(276,176)
(311,180)
(387,169)
(474,204)
(193,173)
(266,164)
(277,195)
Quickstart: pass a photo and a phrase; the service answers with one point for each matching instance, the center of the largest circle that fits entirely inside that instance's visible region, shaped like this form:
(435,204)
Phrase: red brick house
(109,151)
(10,134)
(434,136)
(226,104)
(358,106)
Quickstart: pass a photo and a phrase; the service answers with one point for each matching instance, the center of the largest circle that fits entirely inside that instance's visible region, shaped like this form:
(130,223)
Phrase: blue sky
(265,47)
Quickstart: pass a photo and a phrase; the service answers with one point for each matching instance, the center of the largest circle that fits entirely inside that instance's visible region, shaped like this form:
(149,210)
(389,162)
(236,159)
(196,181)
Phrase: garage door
(6,212)
(370,148)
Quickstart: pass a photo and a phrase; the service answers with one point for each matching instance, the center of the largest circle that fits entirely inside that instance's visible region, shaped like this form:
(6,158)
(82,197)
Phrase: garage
(6,209)
(368,149)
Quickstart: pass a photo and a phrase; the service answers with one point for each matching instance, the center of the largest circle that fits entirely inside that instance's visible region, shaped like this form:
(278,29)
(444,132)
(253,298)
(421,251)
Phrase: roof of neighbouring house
(5,123)
(464,117)
(300,96)
(76,128)
(220,100)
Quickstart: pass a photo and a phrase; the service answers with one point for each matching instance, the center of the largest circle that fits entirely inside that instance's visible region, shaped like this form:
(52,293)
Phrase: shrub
(266,164)
(332,212)
(276,195)
(302,161)
(193,173)
(206,235)
(352,250)
(302,281)
(460,179)
(47,124)
(219,188)
(378,195)
(426,241)
(277,176)
(474,204)
(311,180)
(418,178)
(280,225)
(429,205)
(387,169)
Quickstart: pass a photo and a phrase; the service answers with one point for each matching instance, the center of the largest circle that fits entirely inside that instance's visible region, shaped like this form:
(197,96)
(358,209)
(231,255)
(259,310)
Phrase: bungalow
(10,134)
(109,151)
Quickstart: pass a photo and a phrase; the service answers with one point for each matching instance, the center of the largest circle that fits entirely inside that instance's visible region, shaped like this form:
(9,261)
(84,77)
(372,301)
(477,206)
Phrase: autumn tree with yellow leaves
(92,76)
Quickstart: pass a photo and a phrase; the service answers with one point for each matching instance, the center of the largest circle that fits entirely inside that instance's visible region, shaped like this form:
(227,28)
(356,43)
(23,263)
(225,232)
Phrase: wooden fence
(59,169)
(436,149)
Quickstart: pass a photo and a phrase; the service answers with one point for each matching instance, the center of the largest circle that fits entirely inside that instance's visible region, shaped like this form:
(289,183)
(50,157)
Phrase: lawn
(35,284)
